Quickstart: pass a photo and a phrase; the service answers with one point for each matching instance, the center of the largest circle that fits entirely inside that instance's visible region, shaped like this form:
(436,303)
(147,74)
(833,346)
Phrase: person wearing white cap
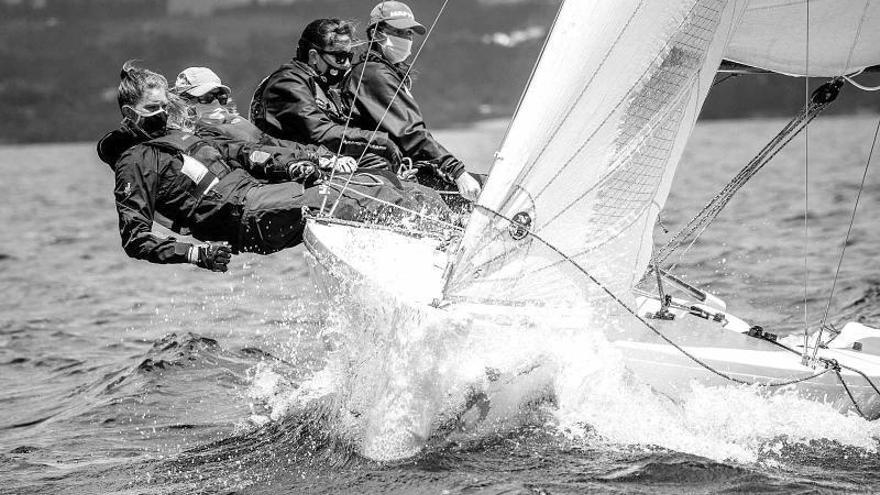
(379,92)
(216,117)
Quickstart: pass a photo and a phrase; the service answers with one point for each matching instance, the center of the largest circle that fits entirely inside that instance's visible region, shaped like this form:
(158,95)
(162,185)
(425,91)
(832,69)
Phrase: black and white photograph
(447,247)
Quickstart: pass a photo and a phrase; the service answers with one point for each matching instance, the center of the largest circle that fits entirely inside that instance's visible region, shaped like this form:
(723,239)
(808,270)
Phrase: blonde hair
(135,81)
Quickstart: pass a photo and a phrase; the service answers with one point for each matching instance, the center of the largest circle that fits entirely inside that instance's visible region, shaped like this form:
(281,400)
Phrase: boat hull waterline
(407,272)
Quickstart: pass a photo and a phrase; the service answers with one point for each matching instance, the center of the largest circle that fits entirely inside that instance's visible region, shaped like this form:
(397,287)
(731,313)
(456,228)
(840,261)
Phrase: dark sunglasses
(340,57)
(209,98)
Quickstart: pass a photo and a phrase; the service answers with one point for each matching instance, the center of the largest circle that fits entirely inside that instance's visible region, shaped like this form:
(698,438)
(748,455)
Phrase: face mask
(331,75)
(152,124)
(396,49)
(212,114)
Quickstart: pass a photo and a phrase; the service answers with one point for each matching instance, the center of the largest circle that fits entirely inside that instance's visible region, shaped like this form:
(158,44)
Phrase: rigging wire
(807,190)
(348,119)
(846,240)
(531,75)
(394,97)
(821,98)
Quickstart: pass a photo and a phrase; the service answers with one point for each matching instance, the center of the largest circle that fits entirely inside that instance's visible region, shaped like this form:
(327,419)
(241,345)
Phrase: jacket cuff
(454,168)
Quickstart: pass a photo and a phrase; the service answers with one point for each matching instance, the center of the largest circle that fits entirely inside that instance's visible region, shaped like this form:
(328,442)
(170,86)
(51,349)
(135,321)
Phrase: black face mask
(151,125)
(333,75)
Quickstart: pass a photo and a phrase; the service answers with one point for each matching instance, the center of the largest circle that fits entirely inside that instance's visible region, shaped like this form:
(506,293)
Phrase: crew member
(212,114)
(207,188)
(378,89)
(301,102)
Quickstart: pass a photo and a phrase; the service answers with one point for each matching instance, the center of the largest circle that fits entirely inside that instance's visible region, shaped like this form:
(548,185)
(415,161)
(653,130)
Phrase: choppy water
(118,376)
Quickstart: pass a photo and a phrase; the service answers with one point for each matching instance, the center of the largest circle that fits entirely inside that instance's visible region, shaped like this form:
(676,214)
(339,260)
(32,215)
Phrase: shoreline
(489,123)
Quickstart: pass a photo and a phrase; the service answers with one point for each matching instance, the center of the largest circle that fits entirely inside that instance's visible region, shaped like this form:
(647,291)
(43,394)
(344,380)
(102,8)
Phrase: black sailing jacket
(290,104)
(403,121)
(196,185)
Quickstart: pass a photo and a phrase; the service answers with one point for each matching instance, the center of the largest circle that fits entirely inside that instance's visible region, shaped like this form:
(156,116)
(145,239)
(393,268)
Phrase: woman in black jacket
(378,89)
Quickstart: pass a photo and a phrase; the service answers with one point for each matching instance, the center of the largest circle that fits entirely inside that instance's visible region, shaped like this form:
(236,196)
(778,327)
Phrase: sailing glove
(211,256)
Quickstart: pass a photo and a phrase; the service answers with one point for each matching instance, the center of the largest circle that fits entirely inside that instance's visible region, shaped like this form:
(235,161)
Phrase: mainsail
(589,159)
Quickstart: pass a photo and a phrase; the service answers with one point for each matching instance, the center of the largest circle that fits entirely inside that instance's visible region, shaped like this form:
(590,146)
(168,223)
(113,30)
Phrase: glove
(211,256)
(341,164)
(301,170)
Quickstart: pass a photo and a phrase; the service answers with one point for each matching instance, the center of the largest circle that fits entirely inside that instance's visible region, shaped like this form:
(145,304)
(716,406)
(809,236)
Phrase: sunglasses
(208,98)
(340,57)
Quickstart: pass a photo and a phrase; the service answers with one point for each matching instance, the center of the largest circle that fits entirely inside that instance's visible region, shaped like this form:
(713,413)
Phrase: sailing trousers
(272,216)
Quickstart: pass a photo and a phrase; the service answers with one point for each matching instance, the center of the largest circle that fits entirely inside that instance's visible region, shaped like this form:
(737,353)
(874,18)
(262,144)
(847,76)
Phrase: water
(118,376)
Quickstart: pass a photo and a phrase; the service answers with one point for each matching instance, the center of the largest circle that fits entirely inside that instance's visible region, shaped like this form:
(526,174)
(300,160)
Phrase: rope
(852,81)
(821,98)
(852,220)
(851,397)
(396,93)
(657,332)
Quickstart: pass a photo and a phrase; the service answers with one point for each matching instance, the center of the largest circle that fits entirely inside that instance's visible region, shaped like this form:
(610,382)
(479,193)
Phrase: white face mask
(396,49)
(212,113)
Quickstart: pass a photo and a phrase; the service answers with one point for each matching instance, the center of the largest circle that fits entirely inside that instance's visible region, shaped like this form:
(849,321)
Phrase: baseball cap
(397,15)
(198,81)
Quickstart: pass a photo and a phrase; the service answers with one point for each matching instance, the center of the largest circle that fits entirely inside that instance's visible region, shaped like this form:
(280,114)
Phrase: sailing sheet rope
(820,99)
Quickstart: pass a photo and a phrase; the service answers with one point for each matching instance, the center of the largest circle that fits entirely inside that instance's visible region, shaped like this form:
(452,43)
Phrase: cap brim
(202,89)
(407,24)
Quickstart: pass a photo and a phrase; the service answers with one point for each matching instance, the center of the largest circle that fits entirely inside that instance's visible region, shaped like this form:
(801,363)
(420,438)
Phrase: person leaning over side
(378,89)
(300,101)
(207,188)
(212,114)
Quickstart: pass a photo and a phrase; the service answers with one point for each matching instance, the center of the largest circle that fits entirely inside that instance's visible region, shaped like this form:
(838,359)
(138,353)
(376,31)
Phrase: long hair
(135,81)
(181,114)
(321,34)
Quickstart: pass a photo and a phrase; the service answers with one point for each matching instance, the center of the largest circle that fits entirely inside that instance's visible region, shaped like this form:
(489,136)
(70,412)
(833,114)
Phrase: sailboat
(562,234)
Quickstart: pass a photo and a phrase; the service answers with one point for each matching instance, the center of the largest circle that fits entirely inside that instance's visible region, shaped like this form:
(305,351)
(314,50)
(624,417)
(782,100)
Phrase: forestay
(844,36)
(590,156)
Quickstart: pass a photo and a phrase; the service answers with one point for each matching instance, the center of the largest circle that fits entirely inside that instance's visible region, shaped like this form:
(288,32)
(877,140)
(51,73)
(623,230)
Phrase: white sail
(844,36)
(589,158)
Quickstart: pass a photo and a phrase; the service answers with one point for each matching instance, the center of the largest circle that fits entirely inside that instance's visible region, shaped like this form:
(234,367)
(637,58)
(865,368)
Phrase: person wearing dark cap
(378,90)
(300,101)
(213,115)
(231,195)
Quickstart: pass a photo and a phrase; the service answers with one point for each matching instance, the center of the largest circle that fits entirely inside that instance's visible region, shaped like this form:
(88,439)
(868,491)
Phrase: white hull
(356,261)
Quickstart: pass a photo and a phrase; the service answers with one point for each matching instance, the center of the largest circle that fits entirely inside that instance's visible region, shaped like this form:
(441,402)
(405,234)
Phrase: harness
(202,163)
